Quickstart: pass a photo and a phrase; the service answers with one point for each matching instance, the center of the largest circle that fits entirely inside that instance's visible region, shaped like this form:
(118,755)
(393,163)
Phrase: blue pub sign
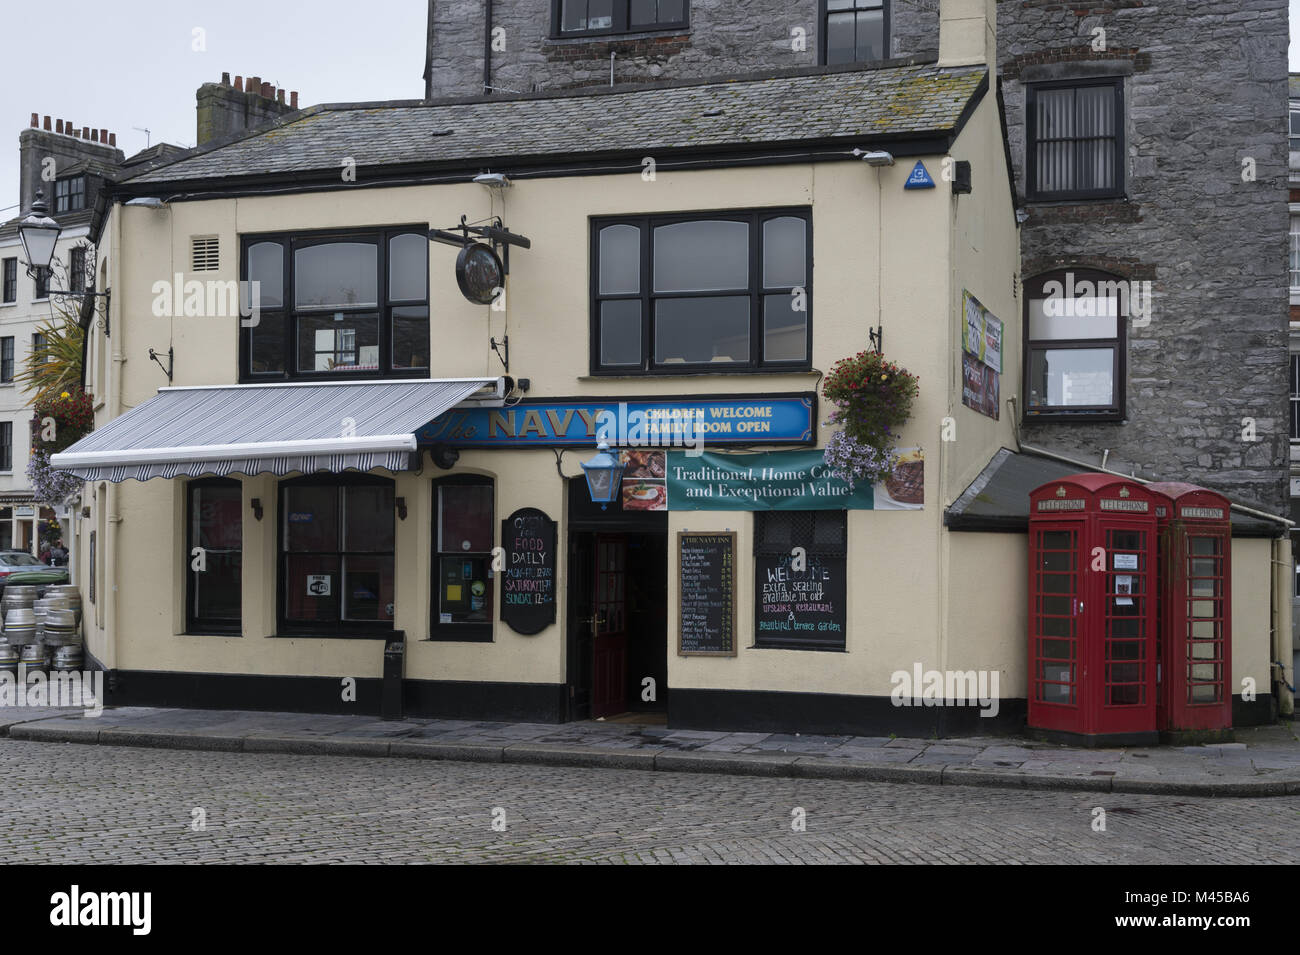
(661,422)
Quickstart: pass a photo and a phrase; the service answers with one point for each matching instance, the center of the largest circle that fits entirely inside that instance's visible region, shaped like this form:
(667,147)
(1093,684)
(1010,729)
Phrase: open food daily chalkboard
(528,581)
(707,594)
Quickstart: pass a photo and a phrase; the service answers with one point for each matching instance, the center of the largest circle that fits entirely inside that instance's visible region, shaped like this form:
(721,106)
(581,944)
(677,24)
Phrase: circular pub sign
(479,273)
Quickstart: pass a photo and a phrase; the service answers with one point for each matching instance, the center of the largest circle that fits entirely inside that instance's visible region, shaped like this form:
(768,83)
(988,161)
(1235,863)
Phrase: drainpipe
(611,67)
(109,556)
(487,47)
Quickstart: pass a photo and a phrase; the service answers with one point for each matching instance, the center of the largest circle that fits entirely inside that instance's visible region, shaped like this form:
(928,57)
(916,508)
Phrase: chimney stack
(968,33)
(223,109)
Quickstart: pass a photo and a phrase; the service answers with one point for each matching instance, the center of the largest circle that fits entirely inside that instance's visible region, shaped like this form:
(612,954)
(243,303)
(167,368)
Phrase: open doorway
(617,626)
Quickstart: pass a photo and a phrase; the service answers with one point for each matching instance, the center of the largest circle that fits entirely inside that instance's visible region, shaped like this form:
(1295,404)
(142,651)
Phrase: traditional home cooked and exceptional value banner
(779,481)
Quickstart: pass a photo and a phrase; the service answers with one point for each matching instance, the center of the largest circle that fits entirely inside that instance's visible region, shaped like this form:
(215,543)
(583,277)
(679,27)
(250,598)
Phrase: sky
(130,65)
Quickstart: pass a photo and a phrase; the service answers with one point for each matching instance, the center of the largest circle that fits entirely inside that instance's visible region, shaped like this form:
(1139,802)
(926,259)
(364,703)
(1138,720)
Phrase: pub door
(608,624)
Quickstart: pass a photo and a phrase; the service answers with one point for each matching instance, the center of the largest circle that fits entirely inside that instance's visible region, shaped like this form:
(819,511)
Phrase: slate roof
(998,499)
(854,105)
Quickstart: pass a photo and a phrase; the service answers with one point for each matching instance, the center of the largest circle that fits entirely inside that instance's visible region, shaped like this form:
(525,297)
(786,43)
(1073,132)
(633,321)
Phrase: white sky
(131,63)
(124,63)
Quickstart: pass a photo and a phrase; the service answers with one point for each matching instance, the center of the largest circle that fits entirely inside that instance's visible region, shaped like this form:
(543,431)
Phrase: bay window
(726,291)
(333,305)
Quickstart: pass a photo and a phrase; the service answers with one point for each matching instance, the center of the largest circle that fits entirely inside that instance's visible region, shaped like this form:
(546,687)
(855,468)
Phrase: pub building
(519,405)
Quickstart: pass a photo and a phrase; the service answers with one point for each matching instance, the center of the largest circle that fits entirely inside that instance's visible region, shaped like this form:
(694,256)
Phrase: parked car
(20,567)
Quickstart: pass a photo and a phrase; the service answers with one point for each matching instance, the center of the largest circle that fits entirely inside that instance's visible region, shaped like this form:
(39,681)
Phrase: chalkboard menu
(707,592)
(799,600)
(528,581)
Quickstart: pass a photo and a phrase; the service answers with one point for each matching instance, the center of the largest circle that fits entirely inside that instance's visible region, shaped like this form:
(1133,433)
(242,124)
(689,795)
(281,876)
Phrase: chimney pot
(225,79)
(268,91)
(279,97)
(58,125)
(85,132)
(293,99)
(94,135)
(48,127)
(112,140)
(36,121)
(239,84)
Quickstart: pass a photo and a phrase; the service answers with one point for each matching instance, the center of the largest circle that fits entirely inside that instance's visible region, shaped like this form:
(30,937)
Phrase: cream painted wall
(1252,572)
(882,256)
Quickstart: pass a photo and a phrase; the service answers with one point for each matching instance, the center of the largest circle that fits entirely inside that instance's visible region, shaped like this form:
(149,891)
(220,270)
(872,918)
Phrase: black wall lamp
(401,507)
(257,507)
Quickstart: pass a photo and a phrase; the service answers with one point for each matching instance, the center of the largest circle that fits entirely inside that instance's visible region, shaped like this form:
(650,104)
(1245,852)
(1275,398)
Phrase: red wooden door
(609,627)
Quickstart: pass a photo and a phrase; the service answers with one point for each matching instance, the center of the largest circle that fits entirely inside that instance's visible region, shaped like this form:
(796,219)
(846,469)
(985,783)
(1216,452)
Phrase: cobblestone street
(67,803)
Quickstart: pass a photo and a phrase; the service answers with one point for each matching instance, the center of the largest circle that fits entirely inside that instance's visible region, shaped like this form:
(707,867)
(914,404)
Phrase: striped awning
(256,429)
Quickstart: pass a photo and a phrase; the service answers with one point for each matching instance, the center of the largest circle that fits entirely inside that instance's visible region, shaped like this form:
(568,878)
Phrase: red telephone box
(1195,615)
(1092,609)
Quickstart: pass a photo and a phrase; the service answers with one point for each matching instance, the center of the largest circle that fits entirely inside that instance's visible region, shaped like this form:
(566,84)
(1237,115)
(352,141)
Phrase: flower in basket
(872,400)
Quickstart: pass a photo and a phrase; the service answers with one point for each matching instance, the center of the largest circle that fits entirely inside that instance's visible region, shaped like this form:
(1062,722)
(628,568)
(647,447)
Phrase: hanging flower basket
(59,421)
(873,400)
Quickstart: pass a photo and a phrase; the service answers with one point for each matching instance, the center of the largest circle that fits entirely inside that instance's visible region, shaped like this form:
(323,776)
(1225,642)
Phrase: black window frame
(69,194)
(1117,411)
(756,292)
(838,552)
(6,359)
(823,25)
(195,624)
(6,445)
(291,241)
(10,280)
(1294,127)
(620,22)
(1119,189)
(1295,397)
(340,628)
(464,631)
(77,268)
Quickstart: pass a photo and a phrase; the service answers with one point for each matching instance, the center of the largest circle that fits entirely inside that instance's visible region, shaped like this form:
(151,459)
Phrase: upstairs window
(727,291)
(1295,399)
(1295,130)
(855,31)
(70,194)
(599,17)
(6,359)
(1295,253)
(353,304)
(1075,140)
(1075,334)
(10,279)
(77,269)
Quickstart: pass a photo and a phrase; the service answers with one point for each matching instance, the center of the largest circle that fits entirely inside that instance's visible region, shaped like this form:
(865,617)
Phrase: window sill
(1051,201)
(821,648)
(582,39)
(8,304)
(699,373)
(1078,417)
(317,635)
(212,633)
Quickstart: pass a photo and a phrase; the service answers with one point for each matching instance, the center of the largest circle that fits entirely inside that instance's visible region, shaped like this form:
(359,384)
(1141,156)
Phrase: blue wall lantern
(604,476)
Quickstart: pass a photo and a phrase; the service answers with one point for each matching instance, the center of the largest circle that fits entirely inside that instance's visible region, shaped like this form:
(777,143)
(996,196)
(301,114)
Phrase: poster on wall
(645,487)
(981,360)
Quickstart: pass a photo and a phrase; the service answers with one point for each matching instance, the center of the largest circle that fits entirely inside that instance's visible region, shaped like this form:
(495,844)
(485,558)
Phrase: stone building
(1182,206)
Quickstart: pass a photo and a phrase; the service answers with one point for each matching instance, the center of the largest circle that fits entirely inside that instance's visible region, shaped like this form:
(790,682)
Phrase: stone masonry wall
(1205,89)
(724,37)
